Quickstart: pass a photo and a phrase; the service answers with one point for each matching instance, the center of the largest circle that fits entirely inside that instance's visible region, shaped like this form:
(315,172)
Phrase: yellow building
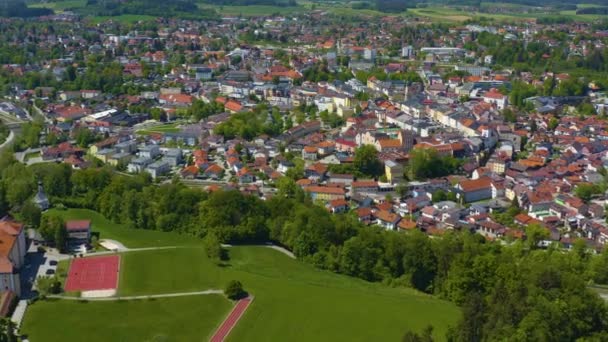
(393,171)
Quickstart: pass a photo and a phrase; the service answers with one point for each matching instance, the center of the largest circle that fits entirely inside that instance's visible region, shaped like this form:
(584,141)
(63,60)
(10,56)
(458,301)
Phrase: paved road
(117,244)
(232,319)
(8,141)
(282,250)
(19,313)
(133,250)
(165,295)
(269,245)
(37,264)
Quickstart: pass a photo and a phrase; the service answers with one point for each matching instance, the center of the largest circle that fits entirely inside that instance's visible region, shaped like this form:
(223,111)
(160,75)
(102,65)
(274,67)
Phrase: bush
(48,285)
(234,290)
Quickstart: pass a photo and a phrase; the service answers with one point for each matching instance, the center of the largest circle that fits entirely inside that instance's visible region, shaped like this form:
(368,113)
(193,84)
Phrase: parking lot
(37,264)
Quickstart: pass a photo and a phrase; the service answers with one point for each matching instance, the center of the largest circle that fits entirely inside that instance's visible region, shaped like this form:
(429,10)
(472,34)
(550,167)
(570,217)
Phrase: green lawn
(168,270)
(31,155)
(60,6)
(167,128)
(192,318)
(294,301)
(132,238)
(440,13)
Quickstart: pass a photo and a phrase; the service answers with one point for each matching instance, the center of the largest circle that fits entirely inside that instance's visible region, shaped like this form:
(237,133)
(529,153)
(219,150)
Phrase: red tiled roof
(338,203)
(407,224)
(325,190)
(233,105)
(476,184)
(78,225)
(365,184)
(176,98)
(386,216)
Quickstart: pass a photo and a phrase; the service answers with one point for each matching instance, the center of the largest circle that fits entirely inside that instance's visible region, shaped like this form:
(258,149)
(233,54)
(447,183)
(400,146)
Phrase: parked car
(50,271)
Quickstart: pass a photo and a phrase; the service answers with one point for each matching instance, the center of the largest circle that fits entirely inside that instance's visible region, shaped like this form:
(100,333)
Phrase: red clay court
(95,273)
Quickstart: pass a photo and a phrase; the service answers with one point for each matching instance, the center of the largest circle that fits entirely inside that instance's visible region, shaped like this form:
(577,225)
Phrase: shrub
(234,290)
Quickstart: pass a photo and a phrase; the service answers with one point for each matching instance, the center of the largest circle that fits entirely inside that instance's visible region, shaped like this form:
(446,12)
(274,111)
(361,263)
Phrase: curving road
(8,141)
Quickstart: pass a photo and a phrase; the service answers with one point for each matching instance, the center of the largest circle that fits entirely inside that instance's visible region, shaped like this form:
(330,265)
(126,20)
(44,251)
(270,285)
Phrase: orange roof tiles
(476,184)
(325,190)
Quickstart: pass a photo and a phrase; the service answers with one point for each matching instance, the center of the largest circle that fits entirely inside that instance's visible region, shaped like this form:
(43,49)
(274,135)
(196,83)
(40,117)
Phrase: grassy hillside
(132,238)
(289,294)
(168,319)
(293,301)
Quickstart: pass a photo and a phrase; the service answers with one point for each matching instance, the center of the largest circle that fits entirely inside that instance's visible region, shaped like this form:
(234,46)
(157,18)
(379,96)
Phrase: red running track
(232,319)
(94,273)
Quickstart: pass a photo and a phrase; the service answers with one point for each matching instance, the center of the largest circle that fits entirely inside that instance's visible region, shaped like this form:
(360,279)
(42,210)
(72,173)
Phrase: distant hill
(186,9)
(534,3)
(17,8)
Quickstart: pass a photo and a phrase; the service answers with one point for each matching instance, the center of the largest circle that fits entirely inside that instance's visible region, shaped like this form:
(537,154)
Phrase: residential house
(387,219)
(338,206)
(149,151)
(393,171)
(79,231)
(325,193)
(309,153)
(214,171)
(158,169)
(475,189)
(12,254)
(139,164)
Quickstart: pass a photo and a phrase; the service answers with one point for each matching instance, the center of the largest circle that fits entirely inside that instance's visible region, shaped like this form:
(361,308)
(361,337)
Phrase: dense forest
(185,9)
(520,2)
(593,10)
(514,292)
(18,8)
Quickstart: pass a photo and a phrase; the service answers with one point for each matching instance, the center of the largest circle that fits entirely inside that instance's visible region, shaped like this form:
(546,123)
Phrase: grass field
(60,6)
(440,13)
(191,318)
(166,128)
(294,301)
(289,294)
(132,238)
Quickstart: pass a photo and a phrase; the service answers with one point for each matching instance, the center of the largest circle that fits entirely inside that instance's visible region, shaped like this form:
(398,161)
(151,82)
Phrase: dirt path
(282,250)
(165,295)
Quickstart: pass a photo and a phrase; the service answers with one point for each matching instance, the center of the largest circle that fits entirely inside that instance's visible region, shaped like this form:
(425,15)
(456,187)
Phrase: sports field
(94,273)
(293,300)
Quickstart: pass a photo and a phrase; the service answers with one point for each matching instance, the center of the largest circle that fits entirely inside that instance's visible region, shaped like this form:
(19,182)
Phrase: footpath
(233,318)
